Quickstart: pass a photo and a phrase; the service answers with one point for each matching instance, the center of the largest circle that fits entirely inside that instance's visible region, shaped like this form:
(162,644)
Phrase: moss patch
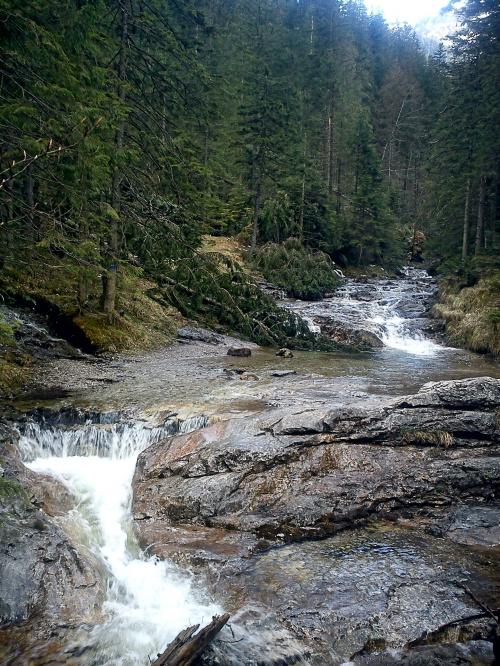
(142,323)
(15,366)
(10,489)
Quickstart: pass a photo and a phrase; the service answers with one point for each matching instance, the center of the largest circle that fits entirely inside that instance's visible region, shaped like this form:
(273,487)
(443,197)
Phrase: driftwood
(482,605)
(188,645)
(469,618)
(436,636)
(494,615)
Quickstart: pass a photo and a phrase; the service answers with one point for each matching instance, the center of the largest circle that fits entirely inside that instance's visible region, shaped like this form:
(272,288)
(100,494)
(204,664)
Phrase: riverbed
(86,420)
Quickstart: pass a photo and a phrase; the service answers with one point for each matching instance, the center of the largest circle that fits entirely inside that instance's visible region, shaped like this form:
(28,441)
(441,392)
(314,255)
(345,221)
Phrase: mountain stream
(149,601)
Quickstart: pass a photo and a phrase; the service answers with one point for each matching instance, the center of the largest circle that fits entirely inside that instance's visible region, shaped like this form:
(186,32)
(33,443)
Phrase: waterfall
(148,601)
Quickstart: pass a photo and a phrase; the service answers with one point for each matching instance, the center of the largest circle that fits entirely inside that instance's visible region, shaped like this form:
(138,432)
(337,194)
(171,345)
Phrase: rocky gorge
(334,504)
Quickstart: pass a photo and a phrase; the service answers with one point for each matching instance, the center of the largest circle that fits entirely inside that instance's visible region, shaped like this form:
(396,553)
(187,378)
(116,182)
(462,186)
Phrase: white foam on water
(380,313)
(394,333)
(148,601)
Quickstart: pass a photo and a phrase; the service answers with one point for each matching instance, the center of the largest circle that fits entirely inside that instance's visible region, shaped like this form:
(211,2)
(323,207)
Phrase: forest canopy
(131,128)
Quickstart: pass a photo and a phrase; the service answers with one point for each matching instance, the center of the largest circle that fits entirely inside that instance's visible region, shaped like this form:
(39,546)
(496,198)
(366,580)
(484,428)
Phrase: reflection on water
(162,382)
(190,380)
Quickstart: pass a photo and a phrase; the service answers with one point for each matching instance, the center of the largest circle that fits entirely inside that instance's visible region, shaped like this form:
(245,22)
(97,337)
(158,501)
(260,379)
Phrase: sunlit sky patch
(409,11)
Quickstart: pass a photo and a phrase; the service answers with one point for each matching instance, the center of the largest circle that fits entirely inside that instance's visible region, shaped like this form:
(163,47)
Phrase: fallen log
(469,618)
(188,645)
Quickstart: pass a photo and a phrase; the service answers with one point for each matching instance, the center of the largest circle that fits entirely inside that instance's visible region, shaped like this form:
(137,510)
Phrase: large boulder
(219,499)
(348,335)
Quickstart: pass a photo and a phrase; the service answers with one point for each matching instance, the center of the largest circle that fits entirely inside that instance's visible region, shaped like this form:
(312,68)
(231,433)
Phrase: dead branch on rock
(482,605)
(188,645)
(469,618)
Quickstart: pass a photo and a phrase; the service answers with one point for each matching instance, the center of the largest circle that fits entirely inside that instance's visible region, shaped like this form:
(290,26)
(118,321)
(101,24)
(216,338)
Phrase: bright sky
(410,11)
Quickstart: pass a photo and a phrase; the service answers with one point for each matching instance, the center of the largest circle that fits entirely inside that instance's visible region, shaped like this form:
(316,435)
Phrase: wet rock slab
(227,500)
(296,474)
(359,592)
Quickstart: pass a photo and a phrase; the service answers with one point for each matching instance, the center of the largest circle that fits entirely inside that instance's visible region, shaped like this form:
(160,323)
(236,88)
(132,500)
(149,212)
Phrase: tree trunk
(253,243)
(465,239)
(302,203)
(29,199)
(311,36)
(83,285)
(339,188)
(331,168)
(109,284)
(6,230)
(480,216)
(329,145)
(303,193)
(83,291)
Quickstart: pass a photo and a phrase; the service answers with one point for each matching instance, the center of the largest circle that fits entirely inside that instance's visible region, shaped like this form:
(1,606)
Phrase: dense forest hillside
(132,128)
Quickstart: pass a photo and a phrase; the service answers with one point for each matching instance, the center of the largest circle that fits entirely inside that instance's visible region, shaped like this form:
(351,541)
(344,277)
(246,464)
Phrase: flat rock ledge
(387,478)
(302,474)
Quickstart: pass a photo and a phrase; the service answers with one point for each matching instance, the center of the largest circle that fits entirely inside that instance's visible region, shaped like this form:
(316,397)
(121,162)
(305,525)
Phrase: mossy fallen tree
(213,289)
(301,272)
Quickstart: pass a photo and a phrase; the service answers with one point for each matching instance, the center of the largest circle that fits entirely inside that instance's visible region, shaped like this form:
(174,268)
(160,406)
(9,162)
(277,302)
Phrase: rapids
(393,309)
(148,601)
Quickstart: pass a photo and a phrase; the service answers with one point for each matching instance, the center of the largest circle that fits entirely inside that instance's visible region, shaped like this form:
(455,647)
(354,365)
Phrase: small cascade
(114,441)
(392,309)
(148,601)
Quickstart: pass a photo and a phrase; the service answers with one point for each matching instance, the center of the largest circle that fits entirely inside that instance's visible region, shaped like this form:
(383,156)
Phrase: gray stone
(305,473)
(239,351)
(194,334)
(222,499)
(345,334)
(475,526)
(46,584)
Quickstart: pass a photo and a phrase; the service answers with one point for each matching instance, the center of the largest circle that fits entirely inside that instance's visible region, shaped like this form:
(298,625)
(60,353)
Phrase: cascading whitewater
(393,309)
(148,601)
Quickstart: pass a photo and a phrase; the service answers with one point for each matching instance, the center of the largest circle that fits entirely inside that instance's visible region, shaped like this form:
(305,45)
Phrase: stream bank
(472,314)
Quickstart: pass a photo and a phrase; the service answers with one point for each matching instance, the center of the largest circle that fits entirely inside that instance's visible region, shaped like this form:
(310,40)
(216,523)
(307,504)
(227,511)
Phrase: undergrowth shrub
(304,274)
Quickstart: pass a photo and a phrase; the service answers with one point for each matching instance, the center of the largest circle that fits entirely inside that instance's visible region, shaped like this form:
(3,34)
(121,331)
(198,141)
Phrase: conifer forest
(133,128)
(249,333)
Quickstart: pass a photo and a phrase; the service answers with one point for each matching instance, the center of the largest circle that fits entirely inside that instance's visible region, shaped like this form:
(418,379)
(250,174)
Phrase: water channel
(159,394)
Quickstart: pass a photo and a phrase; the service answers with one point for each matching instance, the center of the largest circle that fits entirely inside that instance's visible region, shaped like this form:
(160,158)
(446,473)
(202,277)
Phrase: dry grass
(434,438)
(470,315)
(230,247)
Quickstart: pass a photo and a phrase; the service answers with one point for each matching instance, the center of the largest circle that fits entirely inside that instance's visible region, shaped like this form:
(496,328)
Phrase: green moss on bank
(472,314)
(10,489)
(15,366)
(141,323)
